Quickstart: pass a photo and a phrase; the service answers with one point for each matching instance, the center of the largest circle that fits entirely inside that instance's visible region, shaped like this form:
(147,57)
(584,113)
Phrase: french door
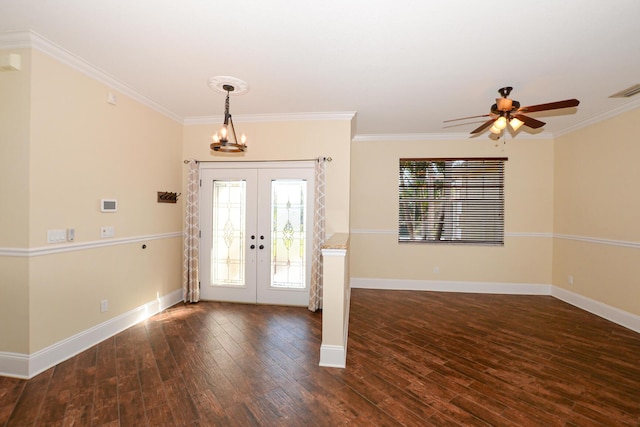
(257,230)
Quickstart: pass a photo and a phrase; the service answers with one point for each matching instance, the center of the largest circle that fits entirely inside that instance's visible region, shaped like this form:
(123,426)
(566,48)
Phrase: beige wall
(15,92)
(14,304)
(524,259)
(292,140)
(63,148)
(14,204)
(84,149)
(597,206)
(66,288)
(81,149)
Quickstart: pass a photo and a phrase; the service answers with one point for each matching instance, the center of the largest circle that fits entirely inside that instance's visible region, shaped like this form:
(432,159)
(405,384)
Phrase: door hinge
(200,183)
(200,233)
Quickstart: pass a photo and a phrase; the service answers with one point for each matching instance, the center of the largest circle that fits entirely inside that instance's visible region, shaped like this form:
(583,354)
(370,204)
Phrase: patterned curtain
(315,291)
(190,279)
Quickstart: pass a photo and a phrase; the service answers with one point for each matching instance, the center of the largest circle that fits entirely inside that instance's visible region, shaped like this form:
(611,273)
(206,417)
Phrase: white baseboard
(14,365)
(333,356)
(446,286)
(29,365)
(615,315)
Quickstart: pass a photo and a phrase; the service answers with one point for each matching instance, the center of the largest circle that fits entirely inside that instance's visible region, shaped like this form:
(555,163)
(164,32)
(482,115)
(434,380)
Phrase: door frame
(269,295)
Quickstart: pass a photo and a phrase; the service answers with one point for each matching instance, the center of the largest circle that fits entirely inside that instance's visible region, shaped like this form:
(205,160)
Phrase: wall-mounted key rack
(167,197)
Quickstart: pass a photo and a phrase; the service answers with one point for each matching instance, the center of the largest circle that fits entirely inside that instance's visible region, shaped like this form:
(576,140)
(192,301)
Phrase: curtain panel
(190,279)
(315,291)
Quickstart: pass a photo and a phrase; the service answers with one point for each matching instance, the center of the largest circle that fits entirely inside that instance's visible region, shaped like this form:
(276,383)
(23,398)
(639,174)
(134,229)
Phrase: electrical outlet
(104,305)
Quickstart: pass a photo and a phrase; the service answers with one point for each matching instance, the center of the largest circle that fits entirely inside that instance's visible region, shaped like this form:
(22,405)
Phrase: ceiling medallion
(218,83)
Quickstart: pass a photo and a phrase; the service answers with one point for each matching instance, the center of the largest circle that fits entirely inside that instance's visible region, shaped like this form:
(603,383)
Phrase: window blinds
(452,200)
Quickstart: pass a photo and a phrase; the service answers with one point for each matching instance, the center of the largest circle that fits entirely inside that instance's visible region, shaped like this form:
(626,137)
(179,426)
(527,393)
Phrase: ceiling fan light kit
(507,111)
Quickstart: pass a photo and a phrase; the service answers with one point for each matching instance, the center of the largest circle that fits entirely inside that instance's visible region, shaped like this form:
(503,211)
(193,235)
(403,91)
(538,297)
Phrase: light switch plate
(107,231)
(56,236)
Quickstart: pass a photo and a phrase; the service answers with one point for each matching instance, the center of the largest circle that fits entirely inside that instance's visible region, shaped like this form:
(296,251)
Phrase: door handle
(261,247)
(253,237)
(252,246)
(261,237)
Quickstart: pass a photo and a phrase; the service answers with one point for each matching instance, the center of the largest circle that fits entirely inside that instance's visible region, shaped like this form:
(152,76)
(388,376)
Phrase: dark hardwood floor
(414,359)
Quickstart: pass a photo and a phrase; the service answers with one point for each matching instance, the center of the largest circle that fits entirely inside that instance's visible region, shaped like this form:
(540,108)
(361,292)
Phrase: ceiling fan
(508,111)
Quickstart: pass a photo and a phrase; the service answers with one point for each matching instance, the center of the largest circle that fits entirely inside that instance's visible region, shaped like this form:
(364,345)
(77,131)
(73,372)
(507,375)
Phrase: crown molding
(596,118)
(15,39)
(278,117)
(25,39)
(401,137)
(30,39)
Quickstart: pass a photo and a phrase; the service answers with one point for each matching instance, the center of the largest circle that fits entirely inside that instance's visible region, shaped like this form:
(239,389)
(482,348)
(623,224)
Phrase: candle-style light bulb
(243,138)
(223,133)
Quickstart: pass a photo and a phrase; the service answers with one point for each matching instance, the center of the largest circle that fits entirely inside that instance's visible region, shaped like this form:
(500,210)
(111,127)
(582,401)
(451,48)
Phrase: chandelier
(226,140)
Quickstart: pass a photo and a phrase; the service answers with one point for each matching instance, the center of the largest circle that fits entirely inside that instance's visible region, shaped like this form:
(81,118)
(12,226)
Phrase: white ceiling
(404,66)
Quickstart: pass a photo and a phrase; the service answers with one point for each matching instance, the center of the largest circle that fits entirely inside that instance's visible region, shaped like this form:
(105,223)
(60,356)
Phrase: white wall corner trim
(600,241)
(333,356)
(615,315)
(28,366)
(525,234)
(72,247)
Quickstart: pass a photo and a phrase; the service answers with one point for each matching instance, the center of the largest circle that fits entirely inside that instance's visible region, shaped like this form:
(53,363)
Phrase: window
(452,201)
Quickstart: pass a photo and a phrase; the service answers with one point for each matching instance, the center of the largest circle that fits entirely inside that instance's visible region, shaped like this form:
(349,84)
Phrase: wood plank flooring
(414,359)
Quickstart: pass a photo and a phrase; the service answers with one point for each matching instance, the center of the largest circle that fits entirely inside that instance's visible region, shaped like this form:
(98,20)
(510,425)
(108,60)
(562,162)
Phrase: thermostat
(108,205)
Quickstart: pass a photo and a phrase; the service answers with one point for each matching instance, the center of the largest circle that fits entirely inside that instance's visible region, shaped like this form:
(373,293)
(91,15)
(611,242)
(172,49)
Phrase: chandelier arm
(233,130)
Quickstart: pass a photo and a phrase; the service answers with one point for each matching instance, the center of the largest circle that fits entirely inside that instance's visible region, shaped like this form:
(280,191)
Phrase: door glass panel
(288,205)
(228,228)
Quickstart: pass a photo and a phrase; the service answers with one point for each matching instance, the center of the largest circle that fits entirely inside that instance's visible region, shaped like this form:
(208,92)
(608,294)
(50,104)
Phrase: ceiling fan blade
(550,106)
(528,121)
(484,126)
(466,118)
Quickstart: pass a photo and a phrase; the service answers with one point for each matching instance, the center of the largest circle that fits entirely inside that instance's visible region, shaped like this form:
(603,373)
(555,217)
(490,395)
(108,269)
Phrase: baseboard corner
(27,366)
(333,356)
(612,314)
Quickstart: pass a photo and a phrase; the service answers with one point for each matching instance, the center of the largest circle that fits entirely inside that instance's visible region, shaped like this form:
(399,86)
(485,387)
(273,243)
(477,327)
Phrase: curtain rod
(317,159)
